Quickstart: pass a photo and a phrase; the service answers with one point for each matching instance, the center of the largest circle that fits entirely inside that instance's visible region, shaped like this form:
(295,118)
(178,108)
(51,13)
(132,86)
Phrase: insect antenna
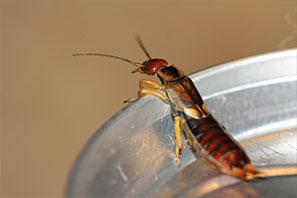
(139,41)
(110,56)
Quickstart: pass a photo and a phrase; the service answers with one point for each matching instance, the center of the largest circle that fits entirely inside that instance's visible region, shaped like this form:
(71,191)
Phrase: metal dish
(255,98)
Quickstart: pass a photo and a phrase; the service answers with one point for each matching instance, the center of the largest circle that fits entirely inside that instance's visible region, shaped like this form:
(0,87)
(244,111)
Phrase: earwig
(207,138)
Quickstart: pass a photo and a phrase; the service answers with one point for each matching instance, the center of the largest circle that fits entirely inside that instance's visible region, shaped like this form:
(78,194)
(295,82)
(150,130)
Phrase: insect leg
(150,83)
(150,87)
(153,89)
(153,92)
(186,133)
(178,139)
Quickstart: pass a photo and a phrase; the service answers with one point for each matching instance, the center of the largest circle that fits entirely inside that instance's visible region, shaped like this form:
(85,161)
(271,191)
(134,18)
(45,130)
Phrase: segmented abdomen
(213,143)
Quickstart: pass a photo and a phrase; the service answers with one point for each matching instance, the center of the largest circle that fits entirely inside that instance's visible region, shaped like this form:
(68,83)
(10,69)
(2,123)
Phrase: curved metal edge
(201,73)
(80,157)
(235,73)
(234,63)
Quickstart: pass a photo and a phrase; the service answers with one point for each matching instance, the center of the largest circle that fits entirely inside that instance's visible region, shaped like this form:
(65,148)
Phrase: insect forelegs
(151,87)
(151,84)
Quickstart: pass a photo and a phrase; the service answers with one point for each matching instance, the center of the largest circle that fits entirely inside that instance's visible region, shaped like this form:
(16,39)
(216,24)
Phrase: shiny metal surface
(132,155)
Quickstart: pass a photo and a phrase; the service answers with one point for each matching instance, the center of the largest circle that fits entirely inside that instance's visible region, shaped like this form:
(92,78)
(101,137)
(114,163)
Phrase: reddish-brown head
(152,66)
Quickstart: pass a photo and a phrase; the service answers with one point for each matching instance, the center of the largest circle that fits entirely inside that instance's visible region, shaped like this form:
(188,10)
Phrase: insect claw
(177,161)
(129,100)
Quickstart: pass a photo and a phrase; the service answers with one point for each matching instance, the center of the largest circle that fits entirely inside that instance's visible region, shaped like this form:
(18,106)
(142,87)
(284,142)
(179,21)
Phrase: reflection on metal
(132,155)
(214,185)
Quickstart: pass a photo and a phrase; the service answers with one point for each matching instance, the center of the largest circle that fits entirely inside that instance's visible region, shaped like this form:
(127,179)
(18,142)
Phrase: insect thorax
(170,73)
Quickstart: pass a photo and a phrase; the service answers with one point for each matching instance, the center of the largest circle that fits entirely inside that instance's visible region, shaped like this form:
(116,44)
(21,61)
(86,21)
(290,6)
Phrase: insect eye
(145,67)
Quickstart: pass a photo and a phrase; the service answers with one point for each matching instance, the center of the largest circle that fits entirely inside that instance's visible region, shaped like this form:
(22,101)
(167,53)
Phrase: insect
(206,137)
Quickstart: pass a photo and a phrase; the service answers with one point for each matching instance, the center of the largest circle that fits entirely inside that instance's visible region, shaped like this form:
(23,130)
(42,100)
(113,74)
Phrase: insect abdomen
(218,148)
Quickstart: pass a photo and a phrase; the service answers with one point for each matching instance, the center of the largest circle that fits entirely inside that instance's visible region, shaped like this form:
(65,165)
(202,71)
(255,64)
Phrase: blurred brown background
(51,102)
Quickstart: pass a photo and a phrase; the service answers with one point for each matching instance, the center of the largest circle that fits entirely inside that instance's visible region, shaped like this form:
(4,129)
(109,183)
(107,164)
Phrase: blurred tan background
(51,102)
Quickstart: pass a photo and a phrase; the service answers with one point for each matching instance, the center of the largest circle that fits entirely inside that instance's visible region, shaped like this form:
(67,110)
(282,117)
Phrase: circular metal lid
(132,155)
